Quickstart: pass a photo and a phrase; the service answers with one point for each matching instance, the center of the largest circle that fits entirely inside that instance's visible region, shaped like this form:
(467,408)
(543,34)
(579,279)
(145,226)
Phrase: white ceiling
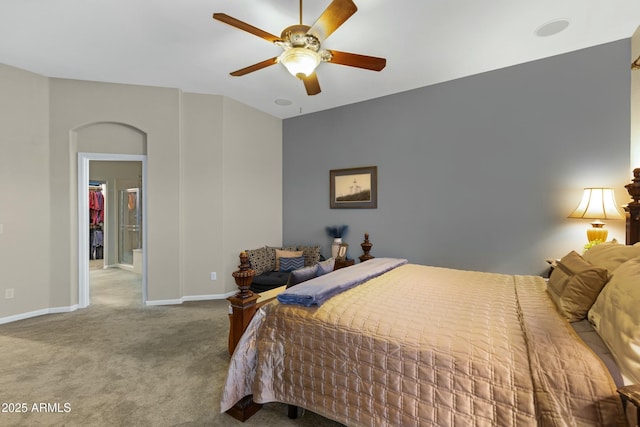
(176,43)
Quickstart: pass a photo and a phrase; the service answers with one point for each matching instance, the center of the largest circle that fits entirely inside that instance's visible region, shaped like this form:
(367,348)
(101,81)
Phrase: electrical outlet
(8,293)
(213,275)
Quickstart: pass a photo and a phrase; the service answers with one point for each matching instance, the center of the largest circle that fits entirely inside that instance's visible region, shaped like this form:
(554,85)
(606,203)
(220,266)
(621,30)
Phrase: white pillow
(616,317)
(611,255)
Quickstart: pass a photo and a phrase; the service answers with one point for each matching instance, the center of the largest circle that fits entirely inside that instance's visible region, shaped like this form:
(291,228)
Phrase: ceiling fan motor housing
(297,36)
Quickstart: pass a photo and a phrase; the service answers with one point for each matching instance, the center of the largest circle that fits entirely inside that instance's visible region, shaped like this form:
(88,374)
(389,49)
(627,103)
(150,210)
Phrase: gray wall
(477,173)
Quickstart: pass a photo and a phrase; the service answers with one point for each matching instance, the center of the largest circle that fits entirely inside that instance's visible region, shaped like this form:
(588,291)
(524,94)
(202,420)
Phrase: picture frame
(342,251)
(354,188)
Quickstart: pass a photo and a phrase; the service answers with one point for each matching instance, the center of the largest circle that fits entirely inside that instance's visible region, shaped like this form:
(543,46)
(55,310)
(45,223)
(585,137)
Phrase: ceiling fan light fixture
(300,61)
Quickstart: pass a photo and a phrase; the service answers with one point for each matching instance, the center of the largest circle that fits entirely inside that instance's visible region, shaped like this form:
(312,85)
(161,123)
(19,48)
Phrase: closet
(96,220)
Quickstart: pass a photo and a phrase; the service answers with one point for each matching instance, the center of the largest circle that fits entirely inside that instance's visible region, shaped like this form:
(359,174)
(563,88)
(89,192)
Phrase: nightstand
(631,394)
(553,263)
(342,263)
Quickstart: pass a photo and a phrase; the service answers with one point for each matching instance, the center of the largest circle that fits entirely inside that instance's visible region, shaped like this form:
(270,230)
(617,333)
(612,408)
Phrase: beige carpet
(118,363)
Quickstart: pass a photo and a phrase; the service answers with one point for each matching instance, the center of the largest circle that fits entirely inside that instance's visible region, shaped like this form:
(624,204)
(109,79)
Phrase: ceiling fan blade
(354,60)
(255,67)
(333,16)
(311,84)
(222,17)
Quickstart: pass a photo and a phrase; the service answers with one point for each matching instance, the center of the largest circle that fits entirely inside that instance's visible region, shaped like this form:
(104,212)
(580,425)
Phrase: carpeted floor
(118,363)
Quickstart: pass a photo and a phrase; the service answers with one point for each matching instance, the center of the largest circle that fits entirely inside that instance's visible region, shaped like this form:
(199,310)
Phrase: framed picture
(342,251)
(355,188)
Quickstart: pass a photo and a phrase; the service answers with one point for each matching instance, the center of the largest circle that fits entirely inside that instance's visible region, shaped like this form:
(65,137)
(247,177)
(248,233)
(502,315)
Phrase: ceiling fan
(302,45)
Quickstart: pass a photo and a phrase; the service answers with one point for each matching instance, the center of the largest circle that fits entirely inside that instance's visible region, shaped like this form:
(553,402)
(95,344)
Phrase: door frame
(83,219)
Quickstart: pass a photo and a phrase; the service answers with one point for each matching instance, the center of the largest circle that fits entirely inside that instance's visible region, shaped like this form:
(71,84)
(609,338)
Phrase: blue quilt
(319,289)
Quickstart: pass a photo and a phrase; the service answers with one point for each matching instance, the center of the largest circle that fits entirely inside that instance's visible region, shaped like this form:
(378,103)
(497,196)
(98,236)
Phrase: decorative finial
(634,187)
(244,276)
(366,247)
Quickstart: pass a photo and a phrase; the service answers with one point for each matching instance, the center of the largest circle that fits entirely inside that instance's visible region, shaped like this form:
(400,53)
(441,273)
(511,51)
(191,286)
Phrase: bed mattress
(425,345)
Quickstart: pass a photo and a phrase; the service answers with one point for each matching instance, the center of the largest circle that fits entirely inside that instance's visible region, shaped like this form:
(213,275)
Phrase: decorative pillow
(574,285)
(616,317)
(302,275)
(311,254)
(259,260)
(611,255)
(285,254)
(290,264)
(326,266)
(271,253)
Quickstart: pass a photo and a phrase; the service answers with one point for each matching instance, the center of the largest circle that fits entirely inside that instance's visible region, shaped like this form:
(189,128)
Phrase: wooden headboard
(633,209)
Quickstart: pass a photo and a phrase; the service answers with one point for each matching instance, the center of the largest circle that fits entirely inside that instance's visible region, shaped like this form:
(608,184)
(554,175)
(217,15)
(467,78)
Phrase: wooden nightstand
(631,394)
(342,263)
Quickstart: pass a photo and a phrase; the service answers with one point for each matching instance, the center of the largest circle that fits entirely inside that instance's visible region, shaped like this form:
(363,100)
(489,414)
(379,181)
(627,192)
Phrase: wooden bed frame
(245,303)
(633,209)
(242,308)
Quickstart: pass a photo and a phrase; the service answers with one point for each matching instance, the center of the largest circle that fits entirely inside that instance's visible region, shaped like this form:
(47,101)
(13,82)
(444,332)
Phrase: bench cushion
(269,280)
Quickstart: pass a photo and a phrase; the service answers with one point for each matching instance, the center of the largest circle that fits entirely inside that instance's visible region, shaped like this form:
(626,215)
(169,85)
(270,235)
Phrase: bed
(386,342)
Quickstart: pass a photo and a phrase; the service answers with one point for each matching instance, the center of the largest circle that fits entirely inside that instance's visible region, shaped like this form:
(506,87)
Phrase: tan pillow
(611,255)
(574,285)
(287,254)
(271,253)
(616,317)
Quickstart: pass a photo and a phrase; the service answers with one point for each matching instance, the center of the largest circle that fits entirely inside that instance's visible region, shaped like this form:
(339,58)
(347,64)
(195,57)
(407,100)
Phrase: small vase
(335,247)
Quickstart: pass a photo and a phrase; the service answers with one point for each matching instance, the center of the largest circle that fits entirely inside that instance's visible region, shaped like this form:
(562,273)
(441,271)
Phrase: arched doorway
(84,160)
(106,142)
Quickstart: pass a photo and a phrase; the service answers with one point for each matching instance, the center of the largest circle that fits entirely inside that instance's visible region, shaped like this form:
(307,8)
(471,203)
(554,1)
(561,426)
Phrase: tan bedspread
(427,346)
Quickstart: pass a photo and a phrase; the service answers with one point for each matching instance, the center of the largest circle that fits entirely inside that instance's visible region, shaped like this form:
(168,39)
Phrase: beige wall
(109,137)
(232,188)
(253,165)
(202,181)
(201,202)
(25,212)
(154,111)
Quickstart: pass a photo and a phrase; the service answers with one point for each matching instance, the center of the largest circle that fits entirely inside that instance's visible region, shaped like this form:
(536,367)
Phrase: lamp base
(597,232)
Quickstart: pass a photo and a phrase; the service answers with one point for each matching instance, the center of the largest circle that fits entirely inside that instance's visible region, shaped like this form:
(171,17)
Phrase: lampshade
(300,61)
(597,203)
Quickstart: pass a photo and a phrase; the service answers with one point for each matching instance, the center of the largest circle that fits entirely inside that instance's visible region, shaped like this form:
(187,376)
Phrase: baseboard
(190,298)
(207,297)
(55,310)
(37,313)
(126,267)
(164,302)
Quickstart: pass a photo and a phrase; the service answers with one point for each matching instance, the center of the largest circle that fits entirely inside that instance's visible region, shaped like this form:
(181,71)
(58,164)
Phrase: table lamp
(597,204)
